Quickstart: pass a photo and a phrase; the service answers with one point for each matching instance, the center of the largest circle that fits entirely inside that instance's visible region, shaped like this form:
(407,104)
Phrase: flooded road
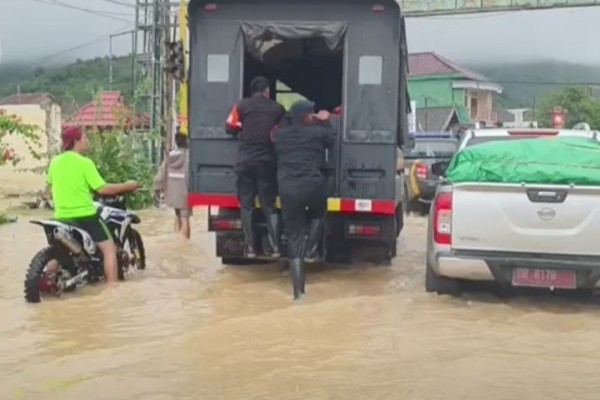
(188,328)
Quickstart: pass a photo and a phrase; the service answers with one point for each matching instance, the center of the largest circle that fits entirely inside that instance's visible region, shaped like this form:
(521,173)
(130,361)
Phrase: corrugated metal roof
(431,64)
(26,98)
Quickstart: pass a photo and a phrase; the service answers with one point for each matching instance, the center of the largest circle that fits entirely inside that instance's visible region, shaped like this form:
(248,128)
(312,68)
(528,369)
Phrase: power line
(105,14)
(543,83)
(79,46)
(120,3)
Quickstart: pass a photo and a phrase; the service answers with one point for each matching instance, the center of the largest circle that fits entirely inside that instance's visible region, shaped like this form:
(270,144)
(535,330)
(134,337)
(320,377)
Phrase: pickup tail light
(222,224)
(422,171)
(442,219)
(364,230)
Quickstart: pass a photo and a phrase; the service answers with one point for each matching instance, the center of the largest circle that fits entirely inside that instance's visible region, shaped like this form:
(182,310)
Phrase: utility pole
(111,56)
(152,20)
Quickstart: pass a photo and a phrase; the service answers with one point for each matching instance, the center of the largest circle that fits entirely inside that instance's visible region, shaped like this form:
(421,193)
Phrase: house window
(370,70)
(217,68)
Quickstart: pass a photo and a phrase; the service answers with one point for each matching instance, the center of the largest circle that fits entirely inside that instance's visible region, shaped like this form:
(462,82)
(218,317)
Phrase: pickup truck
(421,181)
(518,235)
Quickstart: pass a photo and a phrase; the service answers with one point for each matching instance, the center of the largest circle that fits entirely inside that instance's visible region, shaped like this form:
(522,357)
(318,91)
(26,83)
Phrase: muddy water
(188,328)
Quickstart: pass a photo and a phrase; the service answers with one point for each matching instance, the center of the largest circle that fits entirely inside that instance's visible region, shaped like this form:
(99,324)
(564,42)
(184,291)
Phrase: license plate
(544,278)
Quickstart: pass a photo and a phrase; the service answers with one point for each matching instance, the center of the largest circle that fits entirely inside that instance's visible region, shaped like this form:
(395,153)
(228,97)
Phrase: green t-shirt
(73,177)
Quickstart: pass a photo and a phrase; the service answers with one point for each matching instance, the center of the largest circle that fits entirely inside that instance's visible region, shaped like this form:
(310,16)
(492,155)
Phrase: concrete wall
(14,180)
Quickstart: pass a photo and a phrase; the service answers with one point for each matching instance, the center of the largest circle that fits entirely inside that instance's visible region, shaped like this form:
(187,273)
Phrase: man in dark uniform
(300,145)
(253,119)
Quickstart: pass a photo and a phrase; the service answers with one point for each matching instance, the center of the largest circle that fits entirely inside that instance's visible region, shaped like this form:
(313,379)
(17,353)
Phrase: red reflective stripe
(233,119)
(386,207)
(205,199)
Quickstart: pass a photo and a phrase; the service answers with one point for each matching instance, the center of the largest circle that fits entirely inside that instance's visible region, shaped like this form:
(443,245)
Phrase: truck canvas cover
(566,160)
(225,34)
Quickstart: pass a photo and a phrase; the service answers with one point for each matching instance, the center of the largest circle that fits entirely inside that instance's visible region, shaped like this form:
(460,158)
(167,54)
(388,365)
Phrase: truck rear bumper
(484,266)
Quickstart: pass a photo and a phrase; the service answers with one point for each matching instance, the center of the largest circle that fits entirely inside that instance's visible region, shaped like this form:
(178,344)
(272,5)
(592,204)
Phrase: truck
(517,235)
(347,56)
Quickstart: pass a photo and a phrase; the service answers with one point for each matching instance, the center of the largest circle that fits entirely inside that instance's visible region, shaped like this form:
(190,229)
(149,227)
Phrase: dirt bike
(77,259)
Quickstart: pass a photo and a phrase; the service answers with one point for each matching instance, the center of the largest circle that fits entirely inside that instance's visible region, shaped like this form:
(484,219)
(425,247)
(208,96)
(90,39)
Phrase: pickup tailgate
(526,218)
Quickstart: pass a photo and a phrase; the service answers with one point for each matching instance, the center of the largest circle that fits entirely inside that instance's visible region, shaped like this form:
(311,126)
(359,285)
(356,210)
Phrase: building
(435,82)
(43,111)
(107,112)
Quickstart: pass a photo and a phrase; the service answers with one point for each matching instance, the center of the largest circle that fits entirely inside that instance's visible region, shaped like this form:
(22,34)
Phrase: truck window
(370,70)
(217,68)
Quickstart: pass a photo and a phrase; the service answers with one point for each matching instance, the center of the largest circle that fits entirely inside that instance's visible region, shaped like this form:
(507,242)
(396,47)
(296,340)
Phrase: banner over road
(448,7)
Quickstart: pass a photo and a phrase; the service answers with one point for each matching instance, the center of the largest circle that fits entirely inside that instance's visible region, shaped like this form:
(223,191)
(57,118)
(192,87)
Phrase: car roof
(532,132)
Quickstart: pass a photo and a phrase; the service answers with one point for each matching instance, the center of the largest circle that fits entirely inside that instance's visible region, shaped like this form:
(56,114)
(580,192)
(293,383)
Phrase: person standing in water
(172,180)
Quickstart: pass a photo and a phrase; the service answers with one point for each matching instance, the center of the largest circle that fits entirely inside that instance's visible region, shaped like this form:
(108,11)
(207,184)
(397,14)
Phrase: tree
(11,125)
(580,106)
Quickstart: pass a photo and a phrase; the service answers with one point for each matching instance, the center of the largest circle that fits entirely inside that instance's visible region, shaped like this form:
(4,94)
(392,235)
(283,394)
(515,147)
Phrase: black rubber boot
(248,234)
(315,237)
(273,234)
(298,278)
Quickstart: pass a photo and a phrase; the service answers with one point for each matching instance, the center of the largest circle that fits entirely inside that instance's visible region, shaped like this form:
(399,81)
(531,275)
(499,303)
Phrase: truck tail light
(378,8)
(221,224)
(422,171)
(210,7)
(364,230)
(442,219)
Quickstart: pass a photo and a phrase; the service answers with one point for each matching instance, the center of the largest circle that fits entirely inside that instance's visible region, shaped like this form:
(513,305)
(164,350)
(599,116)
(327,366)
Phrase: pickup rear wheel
(440,284)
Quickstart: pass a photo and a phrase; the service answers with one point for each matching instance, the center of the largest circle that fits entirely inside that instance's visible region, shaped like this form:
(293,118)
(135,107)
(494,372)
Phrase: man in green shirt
(72,179)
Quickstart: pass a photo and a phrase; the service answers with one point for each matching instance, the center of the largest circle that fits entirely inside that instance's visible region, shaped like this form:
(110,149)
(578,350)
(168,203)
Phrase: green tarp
(567,160)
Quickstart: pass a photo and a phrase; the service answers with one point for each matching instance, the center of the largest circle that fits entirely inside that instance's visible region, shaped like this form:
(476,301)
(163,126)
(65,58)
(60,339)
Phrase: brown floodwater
(189,328)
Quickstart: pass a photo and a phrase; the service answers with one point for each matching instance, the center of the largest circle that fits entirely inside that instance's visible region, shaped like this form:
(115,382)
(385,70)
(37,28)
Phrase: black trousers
(257,178)
(299,203)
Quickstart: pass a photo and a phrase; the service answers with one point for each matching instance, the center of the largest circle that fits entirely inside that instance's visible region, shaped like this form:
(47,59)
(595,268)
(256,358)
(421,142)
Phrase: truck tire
(440,284)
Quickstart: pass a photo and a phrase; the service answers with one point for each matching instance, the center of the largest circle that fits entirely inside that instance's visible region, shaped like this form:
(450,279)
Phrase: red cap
(70,135)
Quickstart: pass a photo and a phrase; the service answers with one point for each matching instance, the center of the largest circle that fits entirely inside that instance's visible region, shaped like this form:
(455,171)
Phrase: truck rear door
(539,219)
(215,84)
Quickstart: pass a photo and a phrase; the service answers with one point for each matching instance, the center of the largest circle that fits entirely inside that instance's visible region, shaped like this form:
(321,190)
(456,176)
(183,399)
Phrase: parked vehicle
(507,232)
(75,258)
(421,181)
(332,52)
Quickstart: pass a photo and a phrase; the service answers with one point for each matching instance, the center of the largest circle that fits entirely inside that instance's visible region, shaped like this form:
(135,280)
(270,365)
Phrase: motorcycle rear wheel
(35,272)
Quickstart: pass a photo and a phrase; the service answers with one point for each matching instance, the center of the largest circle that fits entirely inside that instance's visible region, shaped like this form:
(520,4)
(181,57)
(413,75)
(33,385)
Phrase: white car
(541,236)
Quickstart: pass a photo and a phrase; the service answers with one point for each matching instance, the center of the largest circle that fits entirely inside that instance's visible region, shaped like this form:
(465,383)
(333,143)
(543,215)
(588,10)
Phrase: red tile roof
(431,64)
(108,111)
(26,98)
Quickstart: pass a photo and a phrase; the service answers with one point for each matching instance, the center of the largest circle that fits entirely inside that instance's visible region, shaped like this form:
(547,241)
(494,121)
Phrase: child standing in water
(173,182)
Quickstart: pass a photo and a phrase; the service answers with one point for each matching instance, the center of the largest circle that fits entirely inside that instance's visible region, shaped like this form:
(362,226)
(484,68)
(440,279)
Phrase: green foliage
(73,85)
(119,158)
(580,106)
(11,125)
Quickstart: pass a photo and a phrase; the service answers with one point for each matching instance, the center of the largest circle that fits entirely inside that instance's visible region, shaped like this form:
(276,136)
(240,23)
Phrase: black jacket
(300,150)
(254,118)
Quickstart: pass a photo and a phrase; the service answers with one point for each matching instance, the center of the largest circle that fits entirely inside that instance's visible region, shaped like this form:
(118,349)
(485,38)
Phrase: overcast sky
(33,29)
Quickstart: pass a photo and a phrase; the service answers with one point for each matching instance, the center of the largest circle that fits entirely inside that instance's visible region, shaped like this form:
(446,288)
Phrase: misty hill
(75,84)
(525,84)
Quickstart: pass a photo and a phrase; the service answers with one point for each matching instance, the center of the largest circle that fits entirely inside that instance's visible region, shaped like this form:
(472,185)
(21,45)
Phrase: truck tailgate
(526,218)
